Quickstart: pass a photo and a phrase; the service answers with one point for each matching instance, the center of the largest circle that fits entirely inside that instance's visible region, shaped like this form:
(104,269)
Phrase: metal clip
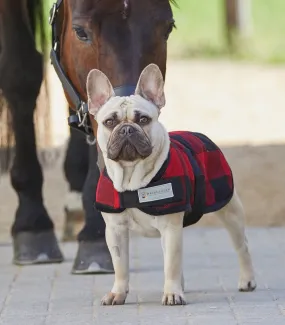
(53,12)
(78,113)
(55,46)
(82,115)
(83,122)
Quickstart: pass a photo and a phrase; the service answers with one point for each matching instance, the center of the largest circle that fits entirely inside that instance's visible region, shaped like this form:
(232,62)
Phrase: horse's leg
(20,80)
(75,170)
(76,161)
(82,173)
(93,255)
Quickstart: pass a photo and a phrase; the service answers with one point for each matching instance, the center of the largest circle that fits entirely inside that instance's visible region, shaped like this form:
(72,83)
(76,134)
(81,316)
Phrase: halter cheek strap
(80,120)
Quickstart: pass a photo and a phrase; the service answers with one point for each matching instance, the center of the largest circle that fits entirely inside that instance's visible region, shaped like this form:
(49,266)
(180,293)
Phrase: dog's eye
(109,123)
(144,120)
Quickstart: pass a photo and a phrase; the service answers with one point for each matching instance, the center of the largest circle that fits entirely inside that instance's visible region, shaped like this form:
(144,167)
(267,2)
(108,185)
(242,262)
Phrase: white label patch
(155,193)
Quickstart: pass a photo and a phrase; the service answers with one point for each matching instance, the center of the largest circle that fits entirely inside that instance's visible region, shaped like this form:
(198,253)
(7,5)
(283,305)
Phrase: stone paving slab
(50,295)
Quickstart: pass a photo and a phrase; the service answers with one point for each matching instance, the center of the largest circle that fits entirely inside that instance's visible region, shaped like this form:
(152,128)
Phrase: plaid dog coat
(195,178)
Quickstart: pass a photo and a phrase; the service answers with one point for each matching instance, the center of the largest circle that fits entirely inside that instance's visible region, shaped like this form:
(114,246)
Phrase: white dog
(134,192)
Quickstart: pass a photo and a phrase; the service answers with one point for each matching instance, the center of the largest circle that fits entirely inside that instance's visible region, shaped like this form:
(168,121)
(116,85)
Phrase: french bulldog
(135,146)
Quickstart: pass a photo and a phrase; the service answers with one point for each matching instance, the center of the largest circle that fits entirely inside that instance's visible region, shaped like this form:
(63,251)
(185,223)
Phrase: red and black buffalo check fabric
(201,179)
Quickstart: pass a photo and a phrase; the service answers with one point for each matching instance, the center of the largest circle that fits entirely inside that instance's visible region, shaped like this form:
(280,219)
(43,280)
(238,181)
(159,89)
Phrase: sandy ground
(240,106)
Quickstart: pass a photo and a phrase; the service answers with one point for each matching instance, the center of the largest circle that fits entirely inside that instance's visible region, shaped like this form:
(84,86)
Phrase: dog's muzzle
(129,143)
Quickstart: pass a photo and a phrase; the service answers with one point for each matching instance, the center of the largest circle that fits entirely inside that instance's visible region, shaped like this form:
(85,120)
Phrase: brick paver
(50,295)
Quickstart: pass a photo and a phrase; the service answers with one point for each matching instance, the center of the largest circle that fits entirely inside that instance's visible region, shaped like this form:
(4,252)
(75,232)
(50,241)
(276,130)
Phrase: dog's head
(128,127)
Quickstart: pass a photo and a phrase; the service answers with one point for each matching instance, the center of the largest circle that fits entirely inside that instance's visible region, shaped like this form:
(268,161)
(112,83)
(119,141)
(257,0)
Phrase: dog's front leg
(117,237)
(171,228)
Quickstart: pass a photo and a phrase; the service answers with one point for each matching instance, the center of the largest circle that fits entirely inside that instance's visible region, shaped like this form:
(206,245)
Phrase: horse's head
(119,37)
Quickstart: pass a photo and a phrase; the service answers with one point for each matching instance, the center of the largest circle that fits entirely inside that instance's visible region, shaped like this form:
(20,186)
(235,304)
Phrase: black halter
(80,120)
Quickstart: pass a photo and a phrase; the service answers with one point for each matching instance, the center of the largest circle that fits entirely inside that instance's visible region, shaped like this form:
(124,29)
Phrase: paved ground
(50,295)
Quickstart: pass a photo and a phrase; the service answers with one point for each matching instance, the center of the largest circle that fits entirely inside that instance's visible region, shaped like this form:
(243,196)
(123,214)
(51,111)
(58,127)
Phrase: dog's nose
(127,130)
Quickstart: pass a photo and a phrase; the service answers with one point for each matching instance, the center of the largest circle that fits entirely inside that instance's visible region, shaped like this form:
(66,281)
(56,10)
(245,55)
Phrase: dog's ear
(151,85)
(99,90)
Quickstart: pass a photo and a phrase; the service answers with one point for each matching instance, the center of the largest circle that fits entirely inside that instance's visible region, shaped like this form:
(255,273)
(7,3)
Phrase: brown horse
(119,37)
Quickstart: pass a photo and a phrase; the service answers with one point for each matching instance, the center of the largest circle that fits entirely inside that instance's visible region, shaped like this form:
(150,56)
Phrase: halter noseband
(80,120)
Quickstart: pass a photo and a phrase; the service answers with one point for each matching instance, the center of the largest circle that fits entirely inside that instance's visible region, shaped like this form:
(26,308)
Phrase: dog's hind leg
(232,216)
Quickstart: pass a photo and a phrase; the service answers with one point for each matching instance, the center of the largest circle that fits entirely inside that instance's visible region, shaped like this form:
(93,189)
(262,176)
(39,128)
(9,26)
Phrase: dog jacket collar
(195,178)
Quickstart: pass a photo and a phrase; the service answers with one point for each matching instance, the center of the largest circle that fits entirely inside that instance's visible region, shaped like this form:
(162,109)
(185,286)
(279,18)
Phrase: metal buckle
(52,15)
(82,116)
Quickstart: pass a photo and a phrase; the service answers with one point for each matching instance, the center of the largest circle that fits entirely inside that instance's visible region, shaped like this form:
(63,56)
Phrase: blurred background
(225,78)
(257,28)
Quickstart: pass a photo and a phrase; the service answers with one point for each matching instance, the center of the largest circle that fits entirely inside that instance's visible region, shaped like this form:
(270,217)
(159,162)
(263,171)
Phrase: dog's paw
(246,284)
(173,299)
(114,299)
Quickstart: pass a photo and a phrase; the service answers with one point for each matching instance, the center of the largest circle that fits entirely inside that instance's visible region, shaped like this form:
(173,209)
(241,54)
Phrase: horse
(119,37)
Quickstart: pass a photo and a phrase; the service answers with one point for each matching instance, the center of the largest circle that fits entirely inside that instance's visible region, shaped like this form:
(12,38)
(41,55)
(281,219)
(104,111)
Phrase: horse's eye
(81,34)
(169,29)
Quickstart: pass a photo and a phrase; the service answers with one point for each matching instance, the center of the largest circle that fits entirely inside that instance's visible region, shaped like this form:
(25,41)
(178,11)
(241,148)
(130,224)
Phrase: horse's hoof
(36,248)
(93,258)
